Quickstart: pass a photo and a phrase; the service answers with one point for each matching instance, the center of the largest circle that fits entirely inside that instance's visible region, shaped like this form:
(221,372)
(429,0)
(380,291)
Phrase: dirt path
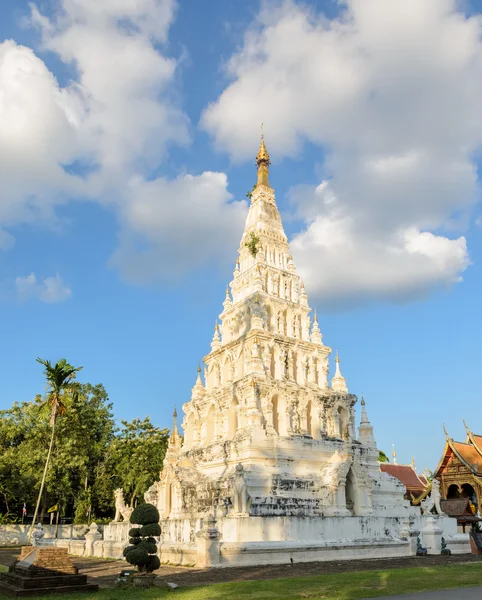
(105,572)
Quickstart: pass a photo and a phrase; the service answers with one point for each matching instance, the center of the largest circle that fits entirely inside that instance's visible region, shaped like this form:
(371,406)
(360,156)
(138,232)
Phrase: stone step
(19,581)
(11,590)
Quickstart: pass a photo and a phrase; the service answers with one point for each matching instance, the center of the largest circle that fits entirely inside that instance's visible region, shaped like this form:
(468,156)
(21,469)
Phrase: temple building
(417,486)
(272,468)
(460,474)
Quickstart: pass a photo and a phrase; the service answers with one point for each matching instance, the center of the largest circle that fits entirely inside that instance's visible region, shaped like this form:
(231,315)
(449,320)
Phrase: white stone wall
(16,535)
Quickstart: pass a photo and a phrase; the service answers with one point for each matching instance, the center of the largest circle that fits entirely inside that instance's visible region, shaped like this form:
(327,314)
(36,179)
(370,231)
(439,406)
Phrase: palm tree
(60,380)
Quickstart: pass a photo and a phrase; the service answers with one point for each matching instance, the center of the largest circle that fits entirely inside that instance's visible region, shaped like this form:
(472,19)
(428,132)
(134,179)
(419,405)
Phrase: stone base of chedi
(271,468)
(42,571)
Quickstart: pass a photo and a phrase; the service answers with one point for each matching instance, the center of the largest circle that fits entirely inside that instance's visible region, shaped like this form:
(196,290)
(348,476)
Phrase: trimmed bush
(137,557)
(127,549)
(144,514)
(143,551)
(153,563)
(151,529)
(148,547)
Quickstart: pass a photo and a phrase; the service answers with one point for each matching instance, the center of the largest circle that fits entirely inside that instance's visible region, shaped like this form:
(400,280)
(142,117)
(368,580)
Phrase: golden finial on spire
(199,369)
(174,414)
(315,319)
(362,401)
(337,358)
(394,454)
(263,161)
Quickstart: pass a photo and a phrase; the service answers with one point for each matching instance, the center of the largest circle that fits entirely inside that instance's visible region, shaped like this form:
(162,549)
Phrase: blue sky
(128,144)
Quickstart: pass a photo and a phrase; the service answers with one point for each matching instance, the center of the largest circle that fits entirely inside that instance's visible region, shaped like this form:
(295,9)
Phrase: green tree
(133,461)
(82,438)
(382,457)
(60,380)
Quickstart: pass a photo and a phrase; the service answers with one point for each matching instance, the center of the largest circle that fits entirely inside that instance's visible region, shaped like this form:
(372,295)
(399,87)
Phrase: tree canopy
(91,457)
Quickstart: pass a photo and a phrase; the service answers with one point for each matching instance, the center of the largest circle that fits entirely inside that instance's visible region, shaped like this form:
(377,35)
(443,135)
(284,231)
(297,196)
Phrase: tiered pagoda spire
(338,383)
(365,430)
(266,333)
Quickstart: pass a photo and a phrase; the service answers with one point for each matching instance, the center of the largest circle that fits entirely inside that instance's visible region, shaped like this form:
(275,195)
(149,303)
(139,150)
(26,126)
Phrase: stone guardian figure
(240,491)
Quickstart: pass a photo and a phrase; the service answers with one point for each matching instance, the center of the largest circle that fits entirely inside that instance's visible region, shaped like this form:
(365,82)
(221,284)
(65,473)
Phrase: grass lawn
(339,586)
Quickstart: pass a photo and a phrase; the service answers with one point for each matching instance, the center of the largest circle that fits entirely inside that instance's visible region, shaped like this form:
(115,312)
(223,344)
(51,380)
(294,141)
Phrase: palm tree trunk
(42,485)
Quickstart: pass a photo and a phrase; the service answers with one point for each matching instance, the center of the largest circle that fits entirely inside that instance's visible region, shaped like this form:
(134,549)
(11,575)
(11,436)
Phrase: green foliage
(137,557)
(83,435)
(144,514)
(252,244)
(153,563)
(250,193)
(149,547)
(132,461)
(127,549)
(135,532)
(90,458)
(382,457)
(148,515)
(151,529)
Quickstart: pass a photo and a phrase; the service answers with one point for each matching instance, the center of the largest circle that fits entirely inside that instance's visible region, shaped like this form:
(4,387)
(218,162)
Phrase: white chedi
(267,440)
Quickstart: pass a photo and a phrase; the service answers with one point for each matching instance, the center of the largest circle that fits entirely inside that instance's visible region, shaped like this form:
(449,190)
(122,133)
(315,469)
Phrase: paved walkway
(471,593)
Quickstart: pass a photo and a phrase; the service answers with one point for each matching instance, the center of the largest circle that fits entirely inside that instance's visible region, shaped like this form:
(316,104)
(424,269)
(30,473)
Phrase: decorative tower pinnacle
(175,441)
(216,341)
(198,389)
(365,430)
(394,454)
(227,300)
(338,383)
(263,161)
(315,331)
(303,295)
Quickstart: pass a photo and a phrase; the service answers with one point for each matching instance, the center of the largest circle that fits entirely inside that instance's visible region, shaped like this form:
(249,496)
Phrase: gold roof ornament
(263,154)
(263,161)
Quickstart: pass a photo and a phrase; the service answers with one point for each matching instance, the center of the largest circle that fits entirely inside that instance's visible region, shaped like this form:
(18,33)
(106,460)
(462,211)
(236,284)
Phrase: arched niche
(309,418)
(210,422)
(343,420)
(275,407)
(189,431)
(233,423)
(351,499)
(228,369)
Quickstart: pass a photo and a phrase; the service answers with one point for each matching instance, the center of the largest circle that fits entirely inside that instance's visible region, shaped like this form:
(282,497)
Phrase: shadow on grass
(339,586)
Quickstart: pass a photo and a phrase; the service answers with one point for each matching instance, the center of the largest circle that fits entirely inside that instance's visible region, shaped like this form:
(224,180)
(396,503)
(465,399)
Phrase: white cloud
(390,91)
(173,227)
(102,136)
(50,290)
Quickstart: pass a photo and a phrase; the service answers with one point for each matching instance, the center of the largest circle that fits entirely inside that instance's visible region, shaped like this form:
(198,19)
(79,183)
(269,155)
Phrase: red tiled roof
(470,455)
(406,474)
(478,442)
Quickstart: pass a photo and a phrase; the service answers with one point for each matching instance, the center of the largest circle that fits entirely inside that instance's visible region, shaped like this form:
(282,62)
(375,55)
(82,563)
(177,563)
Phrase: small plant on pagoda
(142,551)
(250,193)
(252,244)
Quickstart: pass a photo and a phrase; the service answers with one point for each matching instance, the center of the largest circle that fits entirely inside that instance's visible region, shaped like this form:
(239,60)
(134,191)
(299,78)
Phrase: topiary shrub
(143,550)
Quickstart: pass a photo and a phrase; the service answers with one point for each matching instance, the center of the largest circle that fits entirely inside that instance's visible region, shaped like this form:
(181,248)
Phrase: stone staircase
(42,571)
